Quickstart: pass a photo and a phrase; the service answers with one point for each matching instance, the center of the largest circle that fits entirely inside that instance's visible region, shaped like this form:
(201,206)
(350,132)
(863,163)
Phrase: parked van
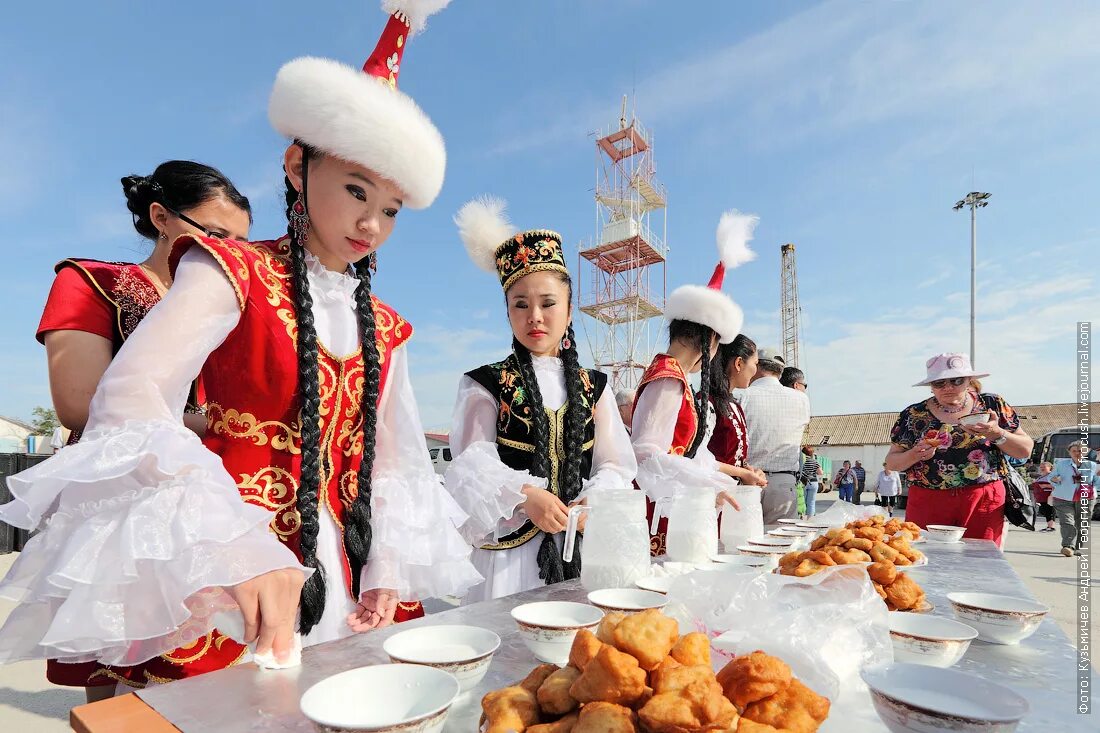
(441,458)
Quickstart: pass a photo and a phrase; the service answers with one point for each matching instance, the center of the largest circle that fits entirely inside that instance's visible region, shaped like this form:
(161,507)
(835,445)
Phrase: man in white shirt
(776,418)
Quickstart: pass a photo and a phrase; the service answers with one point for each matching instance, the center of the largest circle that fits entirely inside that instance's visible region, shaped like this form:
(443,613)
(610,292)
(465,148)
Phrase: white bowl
(384,698)
(772,541)
(922,699)
(626,600)
(655,583)
(740,561)
(813,524)
(795,532)
(769,551)
(548,627)
(931,640)
(998,619)
(464,651)
(944,533)
(789,521)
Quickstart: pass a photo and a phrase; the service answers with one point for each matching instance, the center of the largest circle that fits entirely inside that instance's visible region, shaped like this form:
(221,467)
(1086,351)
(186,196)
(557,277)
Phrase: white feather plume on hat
(734,234)
(483,228)
(416,11)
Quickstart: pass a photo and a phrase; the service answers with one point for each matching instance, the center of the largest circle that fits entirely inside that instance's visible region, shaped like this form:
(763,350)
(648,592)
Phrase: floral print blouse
(961,459)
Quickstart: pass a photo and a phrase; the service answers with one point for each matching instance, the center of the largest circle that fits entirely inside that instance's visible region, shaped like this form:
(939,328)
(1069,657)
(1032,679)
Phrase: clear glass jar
(692,528)
(739,526)
(615,551)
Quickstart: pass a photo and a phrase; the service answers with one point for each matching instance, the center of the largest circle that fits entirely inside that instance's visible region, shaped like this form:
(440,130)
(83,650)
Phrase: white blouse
(488,490)
(662,474)
(142,526)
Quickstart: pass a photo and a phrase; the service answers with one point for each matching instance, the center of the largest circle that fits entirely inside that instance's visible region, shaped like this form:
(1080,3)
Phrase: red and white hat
(360,116)
(708,305)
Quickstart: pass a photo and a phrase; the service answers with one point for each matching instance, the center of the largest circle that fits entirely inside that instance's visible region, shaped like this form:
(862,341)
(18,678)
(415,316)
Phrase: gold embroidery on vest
(246,426)
(276,489)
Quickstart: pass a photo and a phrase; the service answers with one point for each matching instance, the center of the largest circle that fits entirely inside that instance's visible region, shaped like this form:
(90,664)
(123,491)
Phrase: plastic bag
(826,627)
(841,512)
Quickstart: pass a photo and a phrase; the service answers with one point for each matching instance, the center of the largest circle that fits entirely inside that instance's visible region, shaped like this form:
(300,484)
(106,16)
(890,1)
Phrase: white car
(441,458)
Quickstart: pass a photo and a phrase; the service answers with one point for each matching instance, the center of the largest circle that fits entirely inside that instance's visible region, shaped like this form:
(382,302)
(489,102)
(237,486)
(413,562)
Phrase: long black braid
(357,528)
(699,336)
(309,391)
(551,567)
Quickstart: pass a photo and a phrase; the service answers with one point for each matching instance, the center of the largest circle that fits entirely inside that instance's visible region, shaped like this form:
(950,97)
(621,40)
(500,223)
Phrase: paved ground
(29,704)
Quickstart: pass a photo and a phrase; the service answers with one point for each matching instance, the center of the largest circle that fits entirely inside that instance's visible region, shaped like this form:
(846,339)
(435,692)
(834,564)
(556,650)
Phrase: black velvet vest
(515,430)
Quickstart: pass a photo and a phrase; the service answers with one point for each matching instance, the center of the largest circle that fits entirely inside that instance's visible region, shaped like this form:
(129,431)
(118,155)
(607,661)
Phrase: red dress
(730,441)
(108,299)
(687,423)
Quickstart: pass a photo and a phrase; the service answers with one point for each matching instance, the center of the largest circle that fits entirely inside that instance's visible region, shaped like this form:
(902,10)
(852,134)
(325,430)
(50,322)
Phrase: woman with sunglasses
(94,306)
(310,508)
(954,462)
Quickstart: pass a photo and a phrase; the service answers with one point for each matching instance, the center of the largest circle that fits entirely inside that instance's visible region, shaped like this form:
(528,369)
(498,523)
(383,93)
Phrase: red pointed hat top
(717,278)
(385,62)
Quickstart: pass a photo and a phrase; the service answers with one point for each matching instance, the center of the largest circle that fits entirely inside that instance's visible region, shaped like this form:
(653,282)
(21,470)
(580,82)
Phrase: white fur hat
(708,305)
(361,116)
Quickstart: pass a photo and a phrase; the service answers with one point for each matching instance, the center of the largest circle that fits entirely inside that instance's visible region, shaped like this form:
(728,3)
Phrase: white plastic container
(692,528)
(738,526)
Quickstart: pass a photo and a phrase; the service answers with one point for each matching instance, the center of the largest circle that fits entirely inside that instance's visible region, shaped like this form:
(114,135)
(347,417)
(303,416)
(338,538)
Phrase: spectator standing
(811,479)
(861,481)
(887,488)
(1041,489)
(776,418)
(845,482)
(793,378)
(955,471)
(1073,479)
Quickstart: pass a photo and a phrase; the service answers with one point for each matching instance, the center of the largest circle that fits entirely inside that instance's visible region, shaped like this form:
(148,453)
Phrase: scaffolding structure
(788,288)
(622,280)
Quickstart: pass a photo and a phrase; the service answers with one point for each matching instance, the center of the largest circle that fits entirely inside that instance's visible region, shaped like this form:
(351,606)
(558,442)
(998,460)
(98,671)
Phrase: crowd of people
(263,415)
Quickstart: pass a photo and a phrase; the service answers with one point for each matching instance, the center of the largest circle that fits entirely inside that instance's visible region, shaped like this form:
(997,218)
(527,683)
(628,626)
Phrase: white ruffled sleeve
(488,491)
(416,547)
(662,474)
(143,526)
(613,463)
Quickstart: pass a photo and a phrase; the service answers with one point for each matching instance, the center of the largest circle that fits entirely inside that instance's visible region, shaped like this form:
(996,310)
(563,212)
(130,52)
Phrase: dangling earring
(565,343)
(372,262)
(299,219)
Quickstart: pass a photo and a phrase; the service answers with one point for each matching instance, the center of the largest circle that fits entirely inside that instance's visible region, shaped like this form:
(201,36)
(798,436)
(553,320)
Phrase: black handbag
(1020,509)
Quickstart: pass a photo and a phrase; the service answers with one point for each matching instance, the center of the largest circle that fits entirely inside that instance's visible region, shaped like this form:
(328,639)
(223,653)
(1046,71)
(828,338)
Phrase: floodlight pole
(974,200)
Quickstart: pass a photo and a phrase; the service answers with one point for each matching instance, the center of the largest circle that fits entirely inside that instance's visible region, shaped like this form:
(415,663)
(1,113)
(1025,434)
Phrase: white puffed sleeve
(662,474)
(141,525)
(416,547)
(613,463)
(489,491)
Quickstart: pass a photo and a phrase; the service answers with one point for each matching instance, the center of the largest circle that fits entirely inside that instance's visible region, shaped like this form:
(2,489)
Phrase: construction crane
(622,270)
(788,288)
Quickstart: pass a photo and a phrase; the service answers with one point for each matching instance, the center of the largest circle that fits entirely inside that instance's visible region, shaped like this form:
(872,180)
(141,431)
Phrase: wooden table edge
(122,714)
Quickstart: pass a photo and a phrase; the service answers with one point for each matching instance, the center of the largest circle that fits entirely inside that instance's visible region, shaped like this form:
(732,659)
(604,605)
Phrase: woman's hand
(920,452)
(374,610)
(724,497)
(269,605)
(544,509)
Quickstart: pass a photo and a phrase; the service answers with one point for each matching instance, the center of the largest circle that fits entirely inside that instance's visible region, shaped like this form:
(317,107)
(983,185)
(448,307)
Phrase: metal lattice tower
(622,280)
(788,287)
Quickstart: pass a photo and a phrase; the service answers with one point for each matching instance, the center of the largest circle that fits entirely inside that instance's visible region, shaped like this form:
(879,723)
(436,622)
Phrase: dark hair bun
(141,192)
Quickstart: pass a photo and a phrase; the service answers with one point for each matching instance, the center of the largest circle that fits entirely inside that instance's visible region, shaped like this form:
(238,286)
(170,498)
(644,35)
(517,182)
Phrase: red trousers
(981,509)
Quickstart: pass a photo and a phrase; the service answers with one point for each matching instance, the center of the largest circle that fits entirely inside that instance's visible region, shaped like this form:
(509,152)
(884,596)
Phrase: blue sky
(849,127)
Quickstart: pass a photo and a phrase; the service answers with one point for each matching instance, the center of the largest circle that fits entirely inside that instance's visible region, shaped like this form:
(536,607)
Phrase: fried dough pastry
(647,636)
(880,590)
(904,534)
(903,594)
(538,675)
(812,562)
(846,557)
(902,546)
(840,535)
(667,663)
(912,527)
(883,573)
(606,717)
(875,534)
(692,649)
(882,552)
(796,708)
(859,543)
(820,543)
(553,695)
(510,710)
(585,647)
(671,679)
(563,725)
(612,676)
(698,708)
(753,677)
(749,726)
(791,559)
(605,631)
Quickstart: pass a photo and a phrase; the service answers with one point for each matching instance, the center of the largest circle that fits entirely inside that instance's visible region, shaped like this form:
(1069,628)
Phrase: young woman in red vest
(673,422)
(535,430)
(94,306)
(311,503)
